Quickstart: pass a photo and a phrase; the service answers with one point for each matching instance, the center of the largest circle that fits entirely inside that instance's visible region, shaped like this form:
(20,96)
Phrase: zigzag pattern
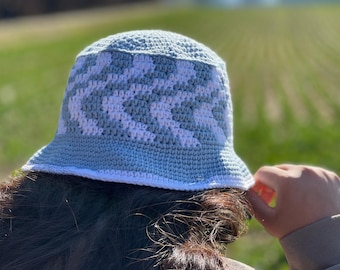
(147,99)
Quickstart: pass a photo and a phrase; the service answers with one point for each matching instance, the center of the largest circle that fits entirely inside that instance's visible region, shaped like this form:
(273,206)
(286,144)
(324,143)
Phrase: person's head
(51,221)
(142,171)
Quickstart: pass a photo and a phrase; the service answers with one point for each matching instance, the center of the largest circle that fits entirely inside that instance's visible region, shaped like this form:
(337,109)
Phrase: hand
(304,195)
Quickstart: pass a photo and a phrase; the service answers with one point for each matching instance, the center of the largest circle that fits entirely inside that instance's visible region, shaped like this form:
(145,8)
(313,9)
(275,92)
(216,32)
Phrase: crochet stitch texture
(149,108)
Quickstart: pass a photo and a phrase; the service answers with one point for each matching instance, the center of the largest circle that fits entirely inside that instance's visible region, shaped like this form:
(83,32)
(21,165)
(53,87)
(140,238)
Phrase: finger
(286,166)
(263,212)
(270,176)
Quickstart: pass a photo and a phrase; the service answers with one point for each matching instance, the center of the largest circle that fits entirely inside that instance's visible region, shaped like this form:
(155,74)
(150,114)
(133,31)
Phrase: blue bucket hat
(147,108)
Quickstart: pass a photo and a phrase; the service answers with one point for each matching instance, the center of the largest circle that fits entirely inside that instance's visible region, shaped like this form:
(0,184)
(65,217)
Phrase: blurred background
(15,8)
(283,60)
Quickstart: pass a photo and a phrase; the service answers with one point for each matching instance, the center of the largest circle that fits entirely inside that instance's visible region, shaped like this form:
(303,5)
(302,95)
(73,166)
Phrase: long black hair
(50,221)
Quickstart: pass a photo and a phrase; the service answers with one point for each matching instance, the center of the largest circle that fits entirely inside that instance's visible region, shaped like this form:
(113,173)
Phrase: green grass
(283,65)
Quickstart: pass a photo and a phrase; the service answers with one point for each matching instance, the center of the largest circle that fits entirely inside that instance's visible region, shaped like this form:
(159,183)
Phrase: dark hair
(68,222)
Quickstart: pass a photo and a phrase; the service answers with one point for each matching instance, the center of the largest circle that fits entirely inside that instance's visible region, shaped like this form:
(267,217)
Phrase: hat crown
(156,42)
(141,86)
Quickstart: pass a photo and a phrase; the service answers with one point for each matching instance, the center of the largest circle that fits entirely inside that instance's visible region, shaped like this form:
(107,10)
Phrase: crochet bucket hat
(147,108)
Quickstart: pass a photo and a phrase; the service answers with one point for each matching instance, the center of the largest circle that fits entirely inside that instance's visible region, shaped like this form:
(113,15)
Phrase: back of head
(68,222)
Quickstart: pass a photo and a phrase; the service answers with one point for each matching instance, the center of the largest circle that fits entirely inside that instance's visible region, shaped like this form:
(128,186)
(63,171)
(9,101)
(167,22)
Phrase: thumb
(263,212)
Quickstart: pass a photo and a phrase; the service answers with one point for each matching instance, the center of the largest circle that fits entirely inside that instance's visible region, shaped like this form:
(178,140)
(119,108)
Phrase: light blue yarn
(148,108)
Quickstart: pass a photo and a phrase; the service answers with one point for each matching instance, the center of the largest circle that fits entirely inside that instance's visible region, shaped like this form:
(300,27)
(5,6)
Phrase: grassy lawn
(283,65)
